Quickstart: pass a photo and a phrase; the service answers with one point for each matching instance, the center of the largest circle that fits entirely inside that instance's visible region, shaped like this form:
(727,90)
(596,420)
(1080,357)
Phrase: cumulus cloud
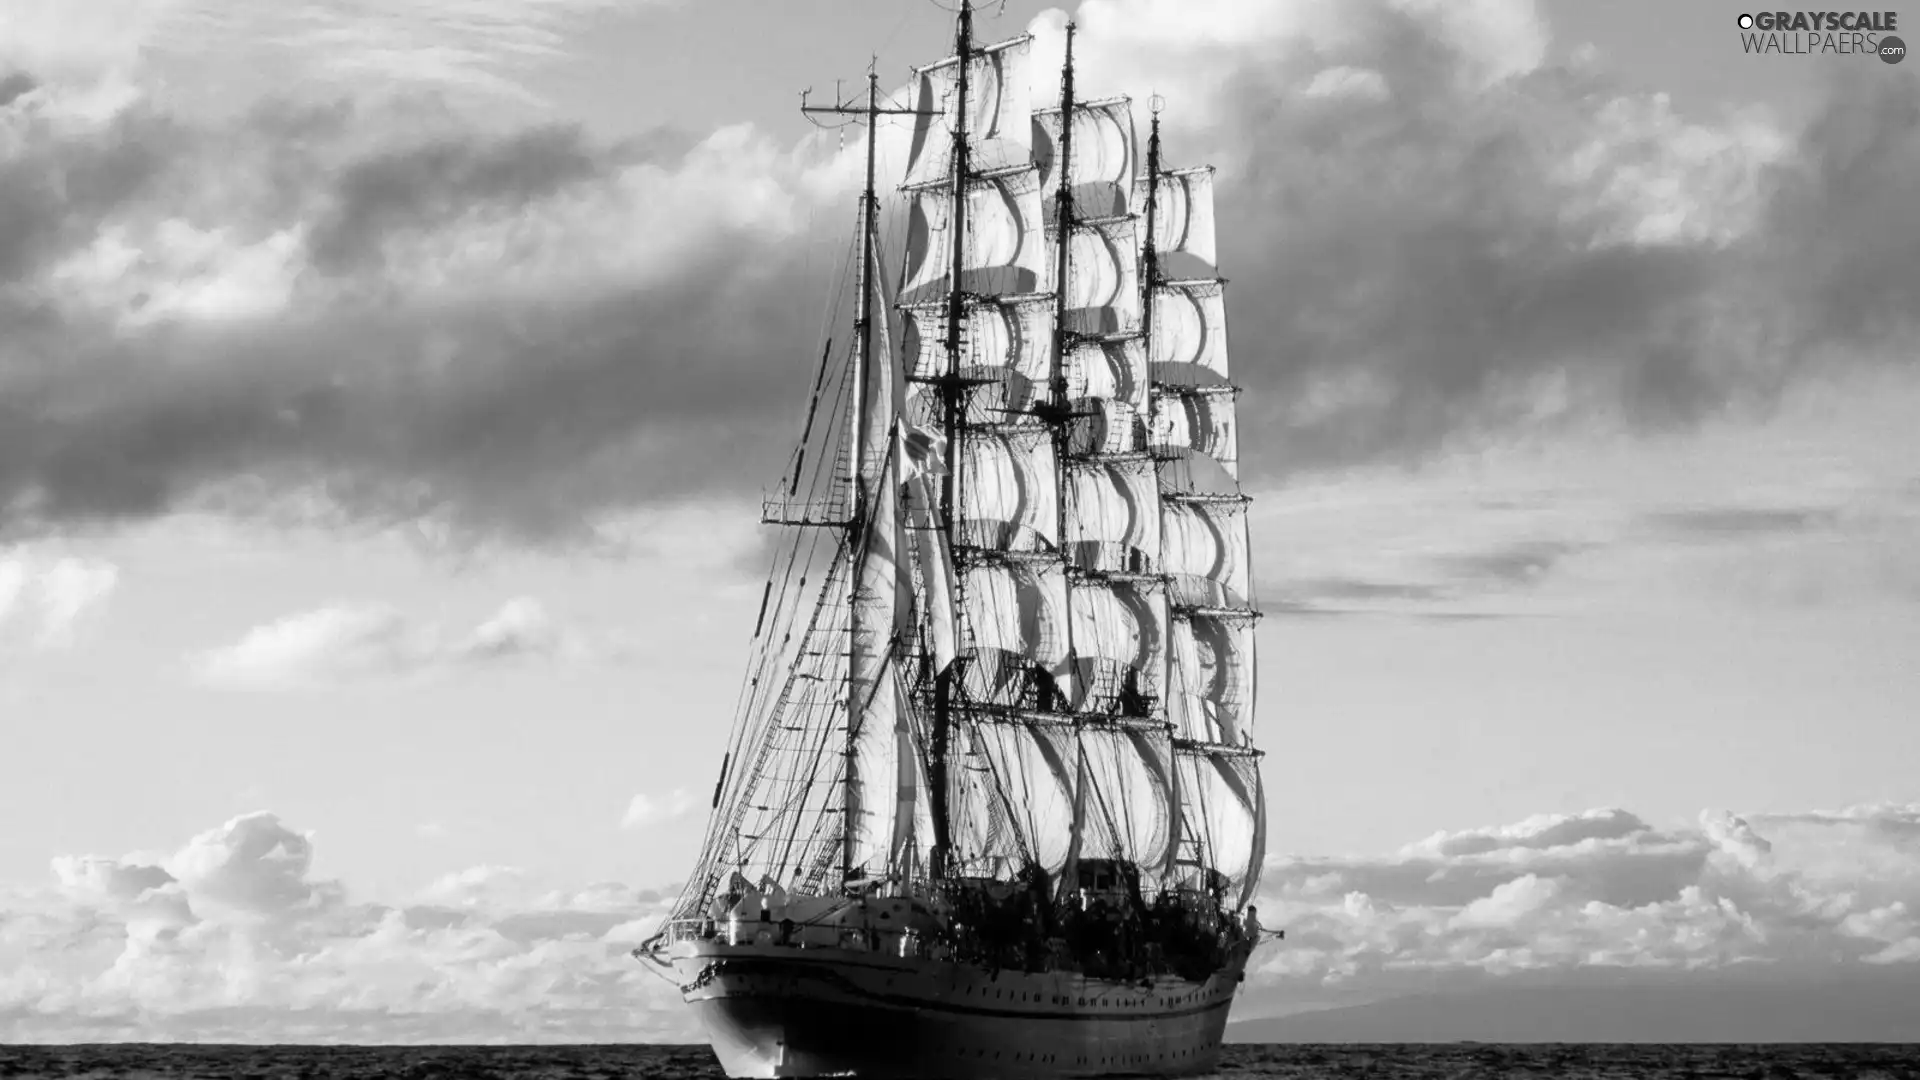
(348,642)
(52,596)
(232,938)
(392,314)
(1559,897)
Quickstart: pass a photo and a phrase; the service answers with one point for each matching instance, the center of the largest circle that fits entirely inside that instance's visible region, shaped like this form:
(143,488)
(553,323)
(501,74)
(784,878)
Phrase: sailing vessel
(991,806)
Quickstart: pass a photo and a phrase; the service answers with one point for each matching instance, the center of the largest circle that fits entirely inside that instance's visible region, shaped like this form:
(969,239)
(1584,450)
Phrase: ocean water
(1445,1062)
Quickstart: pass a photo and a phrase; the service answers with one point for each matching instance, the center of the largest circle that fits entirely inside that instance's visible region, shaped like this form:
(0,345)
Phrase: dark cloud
(13,85)
(1440,254)
(1403,269)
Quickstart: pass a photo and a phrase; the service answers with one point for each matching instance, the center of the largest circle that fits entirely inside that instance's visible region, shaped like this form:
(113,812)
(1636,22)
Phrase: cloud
(233,938)
(1562,897)
(480,48)
(348,642)
(65,591)
(1468,238)
(646,810)
(375,311)
(376,314)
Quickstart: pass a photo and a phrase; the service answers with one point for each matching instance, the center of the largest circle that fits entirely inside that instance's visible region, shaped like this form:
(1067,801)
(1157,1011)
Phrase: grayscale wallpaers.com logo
(1806,33)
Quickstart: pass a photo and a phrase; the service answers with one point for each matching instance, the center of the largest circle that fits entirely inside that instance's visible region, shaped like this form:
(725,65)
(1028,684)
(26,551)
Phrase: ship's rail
(1183,940)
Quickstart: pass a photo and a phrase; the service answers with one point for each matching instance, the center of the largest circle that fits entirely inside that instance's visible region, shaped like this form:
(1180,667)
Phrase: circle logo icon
(1746,22)
(1892,50)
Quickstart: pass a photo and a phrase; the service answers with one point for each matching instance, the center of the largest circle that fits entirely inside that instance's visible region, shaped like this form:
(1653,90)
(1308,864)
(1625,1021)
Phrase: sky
(386,391)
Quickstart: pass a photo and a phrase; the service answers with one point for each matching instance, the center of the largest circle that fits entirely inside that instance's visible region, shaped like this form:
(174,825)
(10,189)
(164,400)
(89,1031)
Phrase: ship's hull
(772,1011)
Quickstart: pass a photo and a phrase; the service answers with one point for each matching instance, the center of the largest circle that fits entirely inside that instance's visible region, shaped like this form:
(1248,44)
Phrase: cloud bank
(233,937)
(373,310)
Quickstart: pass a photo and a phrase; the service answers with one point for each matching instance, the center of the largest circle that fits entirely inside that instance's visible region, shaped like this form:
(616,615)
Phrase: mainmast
(951,391)
(1060,413)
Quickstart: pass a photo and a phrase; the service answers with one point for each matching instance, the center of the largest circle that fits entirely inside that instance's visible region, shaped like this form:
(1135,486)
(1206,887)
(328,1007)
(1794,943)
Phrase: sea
(1452,1061)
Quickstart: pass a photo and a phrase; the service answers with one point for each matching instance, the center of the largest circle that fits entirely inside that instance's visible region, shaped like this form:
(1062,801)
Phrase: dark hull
(776,1012)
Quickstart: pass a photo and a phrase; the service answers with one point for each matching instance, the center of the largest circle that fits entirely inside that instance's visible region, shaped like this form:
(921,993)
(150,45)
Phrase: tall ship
(991,805)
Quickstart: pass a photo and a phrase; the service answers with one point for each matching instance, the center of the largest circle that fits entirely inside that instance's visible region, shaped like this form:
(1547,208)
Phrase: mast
(1061,416)
(1149,258)
(950,422)
(850,794)
(1150,280)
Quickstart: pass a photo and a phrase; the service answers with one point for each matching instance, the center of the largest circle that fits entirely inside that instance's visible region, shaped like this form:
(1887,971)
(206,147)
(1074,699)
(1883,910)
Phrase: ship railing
(817,933)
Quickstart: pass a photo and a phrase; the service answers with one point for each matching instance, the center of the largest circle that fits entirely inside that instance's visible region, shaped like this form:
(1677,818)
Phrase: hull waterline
(782,1012)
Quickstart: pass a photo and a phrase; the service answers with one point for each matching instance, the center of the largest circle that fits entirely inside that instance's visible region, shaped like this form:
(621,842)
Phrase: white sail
(1111,369)
(1032,769)
(1009,490)
(1189,346)
(1103,280)
(1182,213)
(1006,341)
(879,713)
(1196,421)
(1222,804)
(999,113)
(1113,520)
(923,464)
(1213,678)
(1016,618)
(1203,547)
(1103,154)
(1119,645)
(1005,251)
(1127,804)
